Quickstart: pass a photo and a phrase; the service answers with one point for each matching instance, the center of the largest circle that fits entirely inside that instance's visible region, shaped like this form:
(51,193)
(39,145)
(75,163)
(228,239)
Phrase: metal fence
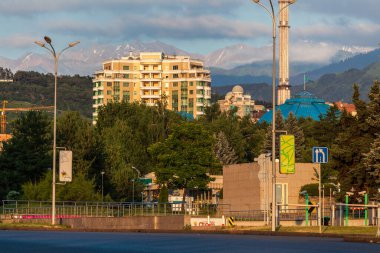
(67,209)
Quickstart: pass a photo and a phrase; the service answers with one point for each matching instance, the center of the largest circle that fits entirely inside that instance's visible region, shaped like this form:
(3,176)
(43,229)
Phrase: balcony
(150,96)
(148,87)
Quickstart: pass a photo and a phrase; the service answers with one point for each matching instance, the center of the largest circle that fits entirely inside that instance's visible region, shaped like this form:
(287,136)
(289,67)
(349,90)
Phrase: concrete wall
(241,187)
(123,223)
(247,186)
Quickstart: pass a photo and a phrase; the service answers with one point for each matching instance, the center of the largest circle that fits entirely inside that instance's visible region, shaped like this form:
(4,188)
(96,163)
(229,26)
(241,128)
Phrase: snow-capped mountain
(238,59)
(86,61)
(236,55)
(347,52)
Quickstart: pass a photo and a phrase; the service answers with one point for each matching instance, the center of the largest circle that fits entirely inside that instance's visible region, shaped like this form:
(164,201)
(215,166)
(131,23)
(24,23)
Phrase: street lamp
(102,185)
(133,183)
(272,14)
(56,57)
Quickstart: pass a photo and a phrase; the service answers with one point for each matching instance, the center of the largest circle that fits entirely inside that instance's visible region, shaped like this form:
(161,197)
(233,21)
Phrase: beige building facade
(248,186)
(151,76)
(243,102)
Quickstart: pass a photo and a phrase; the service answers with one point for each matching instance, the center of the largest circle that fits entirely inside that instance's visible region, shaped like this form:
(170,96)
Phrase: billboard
(65,166)
(287,154)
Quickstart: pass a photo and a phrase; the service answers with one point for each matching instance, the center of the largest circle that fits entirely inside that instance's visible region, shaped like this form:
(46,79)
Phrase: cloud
(17,41)
(36,7)
(361,9)
(158,27)
(353,33)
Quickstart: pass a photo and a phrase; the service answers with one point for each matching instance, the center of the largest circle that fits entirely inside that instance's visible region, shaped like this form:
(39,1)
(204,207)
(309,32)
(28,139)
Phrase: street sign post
(320,155)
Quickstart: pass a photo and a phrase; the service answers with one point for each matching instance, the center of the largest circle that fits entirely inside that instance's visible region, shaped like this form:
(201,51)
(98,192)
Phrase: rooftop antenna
(304,81)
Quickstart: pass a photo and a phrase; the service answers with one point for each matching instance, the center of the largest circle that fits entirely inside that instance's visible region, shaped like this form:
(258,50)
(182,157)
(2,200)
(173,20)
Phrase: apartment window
(126,76)
(109,92)
(175,84)
(109,84)
(126,96)
(191,91)
(135,93)
(125,84)
(175,67)
(125,67)
(135,67)
(191,83)
(175,75)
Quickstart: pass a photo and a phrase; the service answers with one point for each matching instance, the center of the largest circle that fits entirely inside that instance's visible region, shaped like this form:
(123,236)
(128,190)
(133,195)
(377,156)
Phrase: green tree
(372,163)
(292,127)
(27,156)
(78,135)
(80,189)
(183,160)
(373,109)
(223,151)
(280,126)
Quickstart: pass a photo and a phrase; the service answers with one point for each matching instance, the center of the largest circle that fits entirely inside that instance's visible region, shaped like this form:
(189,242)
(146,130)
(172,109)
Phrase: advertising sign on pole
(65,165)
(287,154)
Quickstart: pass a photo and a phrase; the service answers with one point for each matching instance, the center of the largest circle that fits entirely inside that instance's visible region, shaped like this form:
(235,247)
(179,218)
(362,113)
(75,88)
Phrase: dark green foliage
(292,127)
(185,157)
(164,195)
(280,130)
(313,189)
(80,189)
(372,163)
(27,156)
(6,74)
(243,136)
(223,151)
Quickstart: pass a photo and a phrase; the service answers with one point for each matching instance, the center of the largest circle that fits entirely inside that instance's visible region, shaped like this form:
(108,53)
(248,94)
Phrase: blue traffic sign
(320,154)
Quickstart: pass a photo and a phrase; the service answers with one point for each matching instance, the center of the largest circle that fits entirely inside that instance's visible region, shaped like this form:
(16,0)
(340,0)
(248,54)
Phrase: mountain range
(233,64)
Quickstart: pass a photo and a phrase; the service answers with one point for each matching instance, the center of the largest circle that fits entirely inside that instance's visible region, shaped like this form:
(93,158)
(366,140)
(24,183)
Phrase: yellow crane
(3,124)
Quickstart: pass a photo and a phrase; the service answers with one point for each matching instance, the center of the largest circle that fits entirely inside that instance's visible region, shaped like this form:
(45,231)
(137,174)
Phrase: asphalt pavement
(12,241)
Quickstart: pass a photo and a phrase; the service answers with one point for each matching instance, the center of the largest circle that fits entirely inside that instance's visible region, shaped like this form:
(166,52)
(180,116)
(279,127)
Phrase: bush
(312,189)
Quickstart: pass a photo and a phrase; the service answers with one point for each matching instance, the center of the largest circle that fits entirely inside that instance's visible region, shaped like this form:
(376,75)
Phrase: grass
(30,225)
(326,230)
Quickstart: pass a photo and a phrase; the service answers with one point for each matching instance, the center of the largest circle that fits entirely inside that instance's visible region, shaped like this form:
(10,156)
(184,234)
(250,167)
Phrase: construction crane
(3,124)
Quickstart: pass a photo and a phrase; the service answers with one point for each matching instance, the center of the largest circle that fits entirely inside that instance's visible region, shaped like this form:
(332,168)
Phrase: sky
(318,27)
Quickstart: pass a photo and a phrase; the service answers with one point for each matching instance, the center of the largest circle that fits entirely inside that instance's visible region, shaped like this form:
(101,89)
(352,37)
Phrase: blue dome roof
(303,105)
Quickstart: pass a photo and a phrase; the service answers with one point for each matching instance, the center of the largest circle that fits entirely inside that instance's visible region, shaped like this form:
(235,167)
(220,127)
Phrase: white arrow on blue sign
(320,154)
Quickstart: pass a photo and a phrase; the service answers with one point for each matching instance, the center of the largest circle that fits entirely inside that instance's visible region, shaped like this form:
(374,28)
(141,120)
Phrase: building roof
(237,89)
(303,105)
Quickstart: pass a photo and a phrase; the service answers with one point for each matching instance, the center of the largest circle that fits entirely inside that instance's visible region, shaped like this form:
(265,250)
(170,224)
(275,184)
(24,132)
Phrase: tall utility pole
(283,92)
(56,58)
(273,16)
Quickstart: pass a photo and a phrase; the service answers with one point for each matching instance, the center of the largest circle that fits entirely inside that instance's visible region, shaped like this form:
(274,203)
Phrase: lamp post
(56,58)
(102,185)
(272,14)
(347,196)
(365,194)
(306,207)
(133,183)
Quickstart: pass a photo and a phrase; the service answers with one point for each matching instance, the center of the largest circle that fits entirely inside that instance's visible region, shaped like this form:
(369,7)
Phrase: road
(79,242)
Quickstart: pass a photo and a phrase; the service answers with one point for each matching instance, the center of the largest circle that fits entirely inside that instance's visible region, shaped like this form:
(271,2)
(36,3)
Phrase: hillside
(74,92)
(331,87)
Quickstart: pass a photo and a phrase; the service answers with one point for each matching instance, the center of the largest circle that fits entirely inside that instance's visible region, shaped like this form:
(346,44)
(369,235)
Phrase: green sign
(145,181)
(287,154)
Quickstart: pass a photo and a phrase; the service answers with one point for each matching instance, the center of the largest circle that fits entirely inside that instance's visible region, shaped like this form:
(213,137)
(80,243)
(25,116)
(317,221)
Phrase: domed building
(304,105)
(236,99)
